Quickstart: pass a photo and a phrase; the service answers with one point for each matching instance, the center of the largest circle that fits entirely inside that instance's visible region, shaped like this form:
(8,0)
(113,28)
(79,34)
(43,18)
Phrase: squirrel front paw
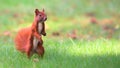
(44,34)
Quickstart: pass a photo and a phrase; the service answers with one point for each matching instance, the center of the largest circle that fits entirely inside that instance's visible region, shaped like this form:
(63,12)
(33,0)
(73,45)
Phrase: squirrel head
(40,16)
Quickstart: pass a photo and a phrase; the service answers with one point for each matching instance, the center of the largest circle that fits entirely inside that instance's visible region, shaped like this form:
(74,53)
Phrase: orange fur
(24,38)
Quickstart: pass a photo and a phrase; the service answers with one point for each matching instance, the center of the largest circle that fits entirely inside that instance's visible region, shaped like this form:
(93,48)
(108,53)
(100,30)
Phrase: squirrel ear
(43,10)
(36,11)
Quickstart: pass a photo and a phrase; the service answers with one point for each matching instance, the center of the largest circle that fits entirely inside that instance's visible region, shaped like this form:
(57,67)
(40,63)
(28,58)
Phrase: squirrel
(29,40)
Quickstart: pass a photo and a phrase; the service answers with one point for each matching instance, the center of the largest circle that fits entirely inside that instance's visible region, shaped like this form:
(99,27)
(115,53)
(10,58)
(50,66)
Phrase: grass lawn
(65,53)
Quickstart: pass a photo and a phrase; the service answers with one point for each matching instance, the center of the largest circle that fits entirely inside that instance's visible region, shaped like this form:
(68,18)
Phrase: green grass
(64,53)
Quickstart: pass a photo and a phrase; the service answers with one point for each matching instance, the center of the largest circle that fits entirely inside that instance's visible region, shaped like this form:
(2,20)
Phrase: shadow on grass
(64,60)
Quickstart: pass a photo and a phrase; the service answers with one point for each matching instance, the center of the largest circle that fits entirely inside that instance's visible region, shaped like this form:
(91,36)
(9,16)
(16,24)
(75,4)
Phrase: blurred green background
(65,17)
(80,33)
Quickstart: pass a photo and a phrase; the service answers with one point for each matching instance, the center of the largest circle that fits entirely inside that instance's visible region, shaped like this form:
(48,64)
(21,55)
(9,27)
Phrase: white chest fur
(35,40)
(40,27)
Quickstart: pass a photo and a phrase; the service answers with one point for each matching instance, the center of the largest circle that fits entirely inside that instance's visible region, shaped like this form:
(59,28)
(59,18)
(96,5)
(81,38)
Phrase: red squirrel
(29,40)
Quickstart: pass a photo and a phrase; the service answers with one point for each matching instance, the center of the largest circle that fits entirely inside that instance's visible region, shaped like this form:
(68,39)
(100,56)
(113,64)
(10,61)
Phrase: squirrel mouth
(43,20)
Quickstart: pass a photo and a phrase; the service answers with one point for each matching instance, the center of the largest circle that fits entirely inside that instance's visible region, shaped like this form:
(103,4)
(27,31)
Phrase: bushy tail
(21,40)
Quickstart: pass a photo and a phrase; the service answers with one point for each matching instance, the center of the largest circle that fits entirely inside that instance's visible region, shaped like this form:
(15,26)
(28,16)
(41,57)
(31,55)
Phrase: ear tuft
(43,10)
(36,11)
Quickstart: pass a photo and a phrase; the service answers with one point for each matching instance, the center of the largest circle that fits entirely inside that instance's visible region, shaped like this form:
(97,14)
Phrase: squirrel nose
(45,18)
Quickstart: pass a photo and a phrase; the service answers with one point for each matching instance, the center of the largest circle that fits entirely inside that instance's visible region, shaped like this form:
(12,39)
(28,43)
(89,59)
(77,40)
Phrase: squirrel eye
(40,15)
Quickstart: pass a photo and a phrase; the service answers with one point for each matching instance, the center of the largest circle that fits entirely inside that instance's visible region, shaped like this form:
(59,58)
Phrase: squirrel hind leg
(40,50)
(29,51)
